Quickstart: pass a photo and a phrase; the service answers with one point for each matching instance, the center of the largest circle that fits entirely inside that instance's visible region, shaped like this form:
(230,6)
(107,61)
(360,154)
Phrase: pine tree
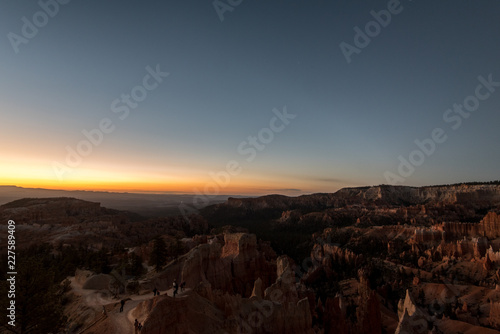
(38,295)
(134,266)
(158,256)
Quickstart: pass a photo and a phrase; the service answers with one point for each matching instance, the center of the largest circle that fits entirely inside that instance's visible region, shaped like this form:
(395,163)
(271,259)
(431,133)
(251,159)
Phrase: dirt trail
(123,321)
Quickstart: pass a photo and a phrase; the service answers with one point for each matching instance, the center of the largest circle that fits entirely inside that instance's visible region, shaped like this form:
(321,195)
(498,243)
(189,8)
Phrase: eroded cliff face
(324,255)
(488,227)
(411,258)
(401,195)
(226,313)
(411,318)
(229,262)
(427,235)
(216,305)
(381,245)
(366,206)
(385,194)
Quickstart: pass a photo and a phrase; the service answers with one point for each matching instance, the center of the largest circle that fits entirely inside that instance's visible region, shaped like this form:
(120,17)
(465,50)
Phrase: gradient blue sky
(353,120)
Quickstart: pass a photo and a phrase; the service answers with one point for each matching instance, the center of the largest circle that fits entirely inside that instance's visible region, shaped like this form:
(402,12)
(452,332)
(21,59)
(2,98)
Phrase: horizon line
(271,191)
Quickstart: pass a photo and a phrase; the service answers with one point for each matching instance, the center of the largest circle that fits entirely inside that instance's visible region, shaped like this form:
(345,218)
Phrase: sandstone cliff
(488,227)
(230,263)
(219,275)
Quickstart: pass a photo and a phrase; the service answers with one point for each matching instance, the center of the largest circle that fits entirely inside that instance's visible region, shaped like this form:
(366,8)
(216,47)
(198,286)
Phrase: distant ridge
(471,193)
(149,205)
(496,182)
(155,205)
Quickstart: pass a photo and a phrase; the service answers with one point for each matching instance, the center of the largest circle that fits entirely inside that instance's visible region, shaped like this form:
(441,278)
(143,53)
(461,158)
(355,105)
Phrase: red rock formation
(289,216)
(494,318)
(490,225)
(429,235)
(493,256)
(326,252)
(411,318)
(456,230)
(231,266)
(473,247)
(368,313)
(213,311)
(193,314)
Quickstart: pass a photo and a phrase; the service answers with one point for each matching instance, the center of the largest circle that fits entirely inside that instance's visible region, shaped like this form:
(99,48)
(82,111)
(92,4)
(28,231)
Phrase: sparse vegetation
(159,253)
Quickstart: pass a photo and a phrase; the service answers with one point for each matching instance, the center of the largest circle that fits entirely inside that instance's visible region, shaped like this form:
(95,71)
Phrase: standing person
(154,291)
(136,326)
(122,302)
(174,285)
(183,285)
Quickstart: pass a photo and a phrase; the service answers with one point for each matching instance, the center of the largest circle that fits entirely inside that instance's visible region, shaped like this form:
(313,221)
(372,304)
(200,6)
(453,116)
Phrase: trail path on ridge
(123,321)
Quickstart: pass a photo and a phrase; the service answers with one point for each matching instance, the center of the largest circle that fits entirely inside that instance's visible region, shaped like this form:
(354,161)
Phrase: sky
(248,97)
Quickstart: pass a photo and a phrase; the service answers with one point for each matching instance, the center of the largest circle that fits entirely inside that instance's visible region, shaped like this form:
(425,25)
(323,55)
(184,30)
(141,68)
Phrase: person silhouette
(175,286)
(136,326)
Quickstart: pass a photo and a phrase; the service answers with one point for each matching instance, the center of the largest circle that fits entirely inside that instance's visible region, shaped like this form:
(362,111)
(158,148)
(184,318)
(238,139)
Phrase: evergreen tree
(38,294)
(158,256)
(134,266)
(176,248)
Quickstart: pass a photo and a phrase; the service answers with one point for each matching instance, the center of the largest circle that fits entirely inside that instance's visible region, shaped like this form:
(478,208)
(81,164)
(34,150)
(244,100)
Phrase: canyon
(383,259)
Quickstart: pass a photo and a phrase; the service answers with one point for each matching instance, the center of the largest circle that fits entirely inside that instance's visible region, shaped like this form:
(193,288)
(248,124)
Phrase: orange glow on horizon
(127,179)
(236,186)
(141,187)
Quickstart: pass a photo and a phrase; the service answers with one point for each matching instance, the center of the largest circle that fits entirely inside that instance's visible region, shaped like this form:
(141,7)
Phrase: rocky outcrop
(81,276)
(422,199)
(473,247)
(50,210)
(88,280)
(230,263)
(401,195)
(425,236)
(192,314)
(412,319)
(242,259)
(411,325)
(368,312)
(196,314)
(289,216)
(494,256)
(488,227)
(284,289)
(98,282)
(335,320)
(494,318)
(456,230)
(324,253)
(204,310)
